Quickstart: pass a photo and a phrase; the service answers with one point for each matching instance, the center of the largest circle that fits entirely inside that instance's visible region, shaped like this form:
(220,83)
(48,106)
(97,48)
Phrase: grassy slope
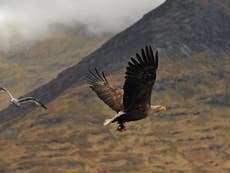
(191,136)
(27,69)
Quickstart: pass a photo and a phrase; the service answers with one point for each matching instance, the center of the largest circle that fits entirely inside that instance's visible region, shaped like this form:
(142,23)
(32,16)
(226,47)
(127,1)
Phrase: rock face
(187,25)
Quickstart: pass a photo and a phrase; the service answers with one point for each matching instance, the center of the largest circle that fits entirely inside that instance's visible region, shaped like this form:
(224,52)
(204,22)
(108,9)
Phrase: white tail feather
(108,121)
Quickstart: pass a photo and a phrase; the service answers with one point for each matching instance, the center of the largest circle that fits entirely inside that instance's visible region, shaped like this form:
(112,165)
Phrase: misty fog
(31,19)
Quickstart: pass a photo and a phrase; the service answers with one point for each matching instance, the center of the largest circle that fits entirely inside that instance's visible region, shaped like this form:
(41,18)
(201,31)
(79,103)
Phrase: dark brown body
(134,115)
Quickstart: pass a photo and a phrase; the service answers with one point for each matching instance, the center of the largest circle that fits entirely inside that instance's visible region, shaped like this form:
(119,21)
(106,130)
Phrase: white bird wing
(32,99)
(6,90)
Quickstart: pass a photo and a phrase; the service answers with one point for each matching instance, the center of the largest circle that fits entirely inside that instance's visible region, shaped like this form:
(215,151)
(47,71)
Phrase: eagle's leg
(122,127)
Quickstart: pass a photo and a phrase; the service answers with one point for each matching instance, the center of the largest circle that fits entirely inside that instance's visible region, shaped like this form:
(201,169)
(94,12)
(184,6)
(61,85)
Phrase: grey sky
(31,18)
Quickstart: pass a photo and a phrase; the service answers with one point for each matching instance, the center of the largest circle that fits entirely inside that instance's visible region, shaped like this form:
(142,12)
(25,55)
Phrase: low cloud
(31,19)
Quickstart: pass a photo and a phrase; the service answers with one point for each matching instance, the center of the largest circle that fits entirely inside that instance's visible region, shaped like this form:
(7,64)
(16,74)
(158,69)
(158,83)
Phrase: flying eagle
(133,102)
(17,102)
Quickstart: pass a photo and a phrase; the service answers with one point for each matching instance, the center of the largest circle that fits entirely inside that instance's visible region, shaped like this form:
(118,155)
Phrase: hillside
(192,37)
(31,65)
(156,28)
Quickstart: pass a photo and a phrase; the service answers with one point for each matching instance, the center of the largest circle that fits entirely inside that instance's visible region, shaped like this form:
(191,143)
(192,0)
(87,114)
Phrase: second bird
(17,102)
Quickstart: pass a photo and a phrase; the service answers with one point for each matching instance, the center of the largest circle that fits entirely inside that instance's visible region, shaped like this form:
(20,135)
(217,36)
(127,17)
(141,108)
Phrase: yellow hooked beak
(163,108)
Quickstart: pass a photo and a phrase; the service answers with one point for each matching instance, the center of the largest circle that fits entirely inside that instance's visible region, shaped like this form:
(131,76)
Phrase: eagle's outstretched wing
(139,79)
(111,96)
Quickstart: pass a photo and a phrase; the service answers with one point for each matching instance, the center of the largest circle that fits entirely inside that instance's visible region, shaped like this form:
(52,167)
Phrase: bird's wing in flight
(139,79)
(111,96)
(32,99)
(6,90)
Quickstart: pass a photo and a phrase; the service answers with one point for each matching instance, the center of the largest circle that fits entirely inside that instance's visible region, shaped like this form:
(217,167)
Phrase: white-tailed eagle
(133,102)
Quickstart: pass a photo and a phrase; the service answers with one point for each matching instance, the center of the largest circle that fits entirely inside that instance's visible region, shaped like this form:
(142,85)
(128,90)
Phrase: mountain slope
(182,27)
(192,81)
(31,65)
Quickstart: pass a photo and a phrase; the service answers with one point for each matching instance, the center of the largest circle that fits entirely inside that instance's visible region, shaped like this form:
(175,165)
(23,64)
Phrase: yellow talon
(124,127)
